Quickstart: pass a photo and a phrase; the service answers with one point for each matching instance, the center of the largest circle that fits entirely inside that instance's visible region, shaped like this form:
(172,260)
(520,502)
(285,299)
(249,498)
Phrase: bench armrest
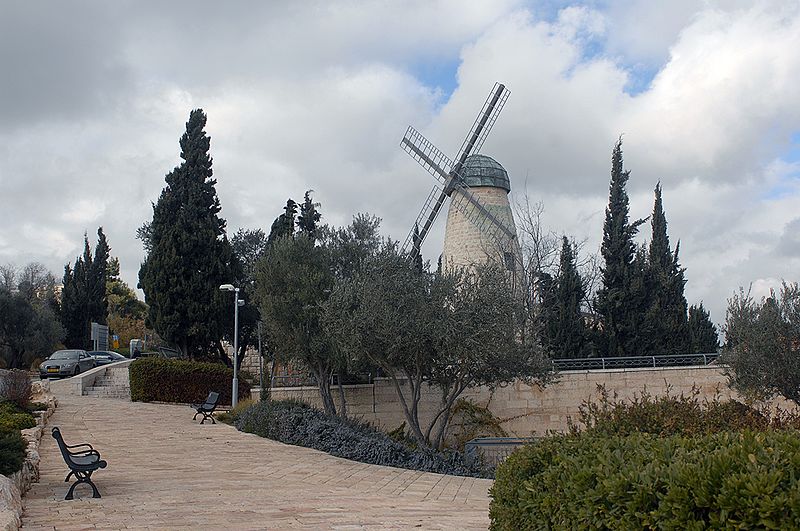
(79,446)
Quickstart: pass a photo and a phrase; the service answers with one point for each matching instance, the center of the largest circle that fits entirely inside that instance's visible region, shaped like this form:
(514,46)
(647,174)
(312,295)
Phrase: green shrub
(12,450)
(12,417)
(163,380)
(293,422)
(729,480)
(675,415)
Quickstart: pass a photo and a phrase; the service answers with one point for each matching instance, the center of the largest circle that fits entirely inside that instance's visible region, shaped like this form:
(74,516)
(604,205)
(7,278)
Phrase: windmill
(471,183)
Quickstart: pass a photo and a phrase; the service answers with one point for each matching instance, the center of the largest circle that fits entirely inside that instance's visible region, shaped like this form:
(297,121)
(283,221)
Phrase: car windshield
(65,355)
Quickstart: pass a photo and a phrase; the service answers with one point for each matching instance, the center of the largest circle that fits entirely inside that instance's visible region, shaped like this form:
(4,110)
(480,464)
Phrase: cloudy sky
(317,95)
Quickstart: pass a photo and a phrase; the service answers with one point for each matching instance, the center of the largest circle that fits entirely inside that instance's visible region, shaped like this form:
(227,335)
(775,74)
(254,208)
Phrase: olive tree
(762,350)
(449,330)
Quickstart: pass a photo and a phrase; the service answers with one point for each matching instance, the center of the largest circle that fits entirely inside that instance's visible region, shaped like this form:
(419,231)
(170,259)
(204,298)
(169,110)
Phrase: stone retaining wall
(12,488)
(529,410)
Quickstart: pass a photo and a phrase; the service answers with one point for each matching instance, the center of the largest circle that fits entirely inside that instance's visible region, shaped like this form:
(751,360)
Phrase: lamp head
(227,287)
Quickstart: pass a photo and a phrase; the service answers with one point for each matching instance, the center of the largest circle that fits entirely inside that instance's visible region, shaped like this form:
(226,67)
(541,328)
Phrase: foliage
(470,420)
(762,350)
(84,297)
(667,327)
(735,480)
(564,334)
(12,451)
(308,219)
(620,299)
(294,422)
(28,329)
(13,417)
(189,255)
(293,280)
(163,380)
(15,387)
(283,226)
(674,415)
(450,330)
(702,331)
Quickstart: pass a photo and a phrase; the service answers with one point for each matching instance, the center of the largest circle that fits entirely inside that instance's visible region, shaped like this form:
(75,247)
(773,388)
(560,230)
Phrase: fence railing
(493,450)
(682,360)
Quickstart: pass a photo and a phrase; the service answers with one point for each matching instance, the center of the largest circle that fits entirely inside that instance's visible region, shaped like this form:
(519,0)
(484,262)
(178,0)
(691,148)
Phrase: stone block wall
(527,410)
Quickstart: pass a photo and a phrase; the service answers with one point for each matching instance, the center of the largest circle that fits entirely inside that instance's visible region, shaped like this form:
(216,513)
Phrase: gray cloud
(94,97)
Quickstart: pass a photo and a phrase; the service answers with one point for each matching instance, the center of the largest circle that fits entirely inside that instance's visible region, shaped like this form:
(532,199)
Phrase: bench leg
(195,416)
(71,473)
(208,416)
(83,477)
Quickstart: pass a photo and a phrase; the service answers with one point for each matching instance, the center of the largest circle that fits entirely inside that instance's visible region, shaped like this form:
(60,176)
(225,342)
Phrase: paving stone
(166,471)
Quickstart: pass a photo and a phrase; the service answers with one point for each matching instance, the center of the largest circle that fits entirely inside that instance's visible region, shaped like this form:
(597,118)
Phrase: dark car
(104,357)
(63,363)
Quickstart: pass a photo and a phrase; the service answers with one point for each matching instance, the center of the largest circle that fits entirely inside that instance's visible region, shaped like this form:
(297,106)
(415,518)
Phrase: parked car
(104,357)
(64,363)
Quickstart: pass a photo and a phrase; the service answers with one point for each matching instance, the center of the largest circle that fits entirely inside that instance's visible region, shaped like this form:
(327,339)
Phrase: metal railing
(632,362)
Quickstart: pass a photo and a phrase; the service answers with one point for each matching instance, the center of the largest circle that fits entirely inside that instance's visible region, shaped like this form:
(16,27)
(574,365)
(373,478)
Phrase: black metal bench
(207,407)
(81,463)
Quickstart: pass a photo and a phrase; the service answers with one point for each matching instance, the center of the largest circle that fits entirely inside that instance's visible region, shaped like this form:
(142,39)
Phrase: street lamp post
(236,304)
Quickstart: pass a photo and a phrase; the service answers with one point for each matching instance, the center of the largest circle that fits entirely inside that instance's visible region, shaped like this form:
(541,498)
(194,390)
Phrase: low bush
(297,423)
(744,480)
(12,450)
(12,417)
(15,386)
(164,380)
(675,415)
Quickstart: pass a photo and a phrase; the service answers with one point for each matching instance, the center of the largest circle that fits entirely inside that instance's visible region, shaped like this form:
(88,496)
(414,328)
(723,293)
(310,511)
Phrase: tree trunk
(342,401)
(324,386)
(410,414)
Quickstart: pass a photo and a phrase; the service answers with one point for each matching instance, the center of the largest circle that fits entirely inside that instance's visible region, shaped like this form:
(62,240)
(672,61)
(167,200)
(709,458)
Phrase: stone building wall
(464,243)
(529,410)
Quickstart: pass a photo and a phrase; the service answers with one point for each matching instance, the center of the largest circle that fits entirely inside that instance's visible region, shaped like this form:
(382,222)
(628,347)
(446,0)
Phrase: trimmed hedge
(727,480)
(163,380)
(294,422)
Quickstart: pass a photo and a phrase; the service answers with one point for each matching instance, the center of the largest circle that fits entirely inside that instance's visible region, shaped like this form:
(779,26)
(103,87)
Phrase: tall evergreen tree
(190,255)
(308,220)
(618,299)
(96,279)
(283,225)
(565,334)
(75,300)
(417,244)
(666,317)
(703,332)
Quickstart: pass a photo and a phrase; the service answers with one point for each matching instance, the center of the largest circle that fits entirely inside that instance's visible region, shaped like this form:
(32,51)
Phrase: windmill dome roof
(480,170)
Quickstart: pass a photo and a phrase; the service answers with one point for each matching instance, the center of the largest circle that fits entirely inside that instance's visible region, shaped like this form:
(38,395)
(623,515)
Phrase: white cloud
(317,96)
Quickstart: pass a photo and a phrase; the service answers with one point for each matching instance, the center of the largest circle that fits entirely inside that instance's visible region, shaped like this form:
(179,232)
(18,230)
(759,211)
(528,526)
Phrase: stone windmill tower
(480,224)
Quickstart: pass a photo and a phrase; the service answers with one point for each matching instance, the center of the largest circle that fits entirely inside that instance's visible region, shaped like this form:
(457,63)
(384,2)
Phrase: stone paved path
(167,472)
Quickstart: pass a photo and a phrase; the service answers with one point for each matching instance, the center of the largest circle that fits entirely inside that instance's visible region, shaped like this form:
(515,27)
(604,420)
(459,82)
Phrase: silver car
(64,363)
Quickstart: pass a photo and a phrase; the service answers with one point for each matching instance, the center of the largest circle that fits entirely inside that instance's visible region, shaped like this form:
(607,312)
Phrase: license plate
(52,369)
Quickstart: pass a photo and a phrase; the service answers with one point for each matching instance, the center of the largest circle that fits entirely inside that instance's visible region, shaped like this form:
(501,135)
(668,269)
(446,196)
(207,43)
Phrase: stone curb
(12,488)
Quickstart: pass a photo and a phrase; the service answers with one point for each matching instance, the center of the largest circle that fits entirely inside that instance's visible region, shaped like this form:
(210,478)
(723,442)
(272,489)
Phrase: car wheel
(77,371)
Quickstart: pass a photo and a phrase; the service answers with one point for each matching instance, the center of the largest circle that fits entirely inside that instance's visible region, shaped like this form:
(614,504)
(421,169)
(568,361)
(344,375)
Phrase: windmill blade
(429,157)
(483,123)
(425,218)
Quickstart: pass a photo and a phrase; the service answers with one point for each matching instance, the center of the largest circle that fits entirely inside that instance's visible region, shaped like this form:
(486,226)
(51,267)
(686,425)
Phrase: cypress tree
(190,255)
(97,276)
(309,217)
(703,332)
(667,320)
(619,297)
(564,327)
(417,256)
(283,225)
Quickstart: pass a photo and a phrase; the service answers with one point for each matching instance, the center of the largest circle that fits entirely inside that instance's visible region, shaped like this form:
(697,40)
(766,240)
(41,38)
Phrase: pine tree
(667,320)
(190,255)
(308,220)
(703,332)
(618,299)
(564,327)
